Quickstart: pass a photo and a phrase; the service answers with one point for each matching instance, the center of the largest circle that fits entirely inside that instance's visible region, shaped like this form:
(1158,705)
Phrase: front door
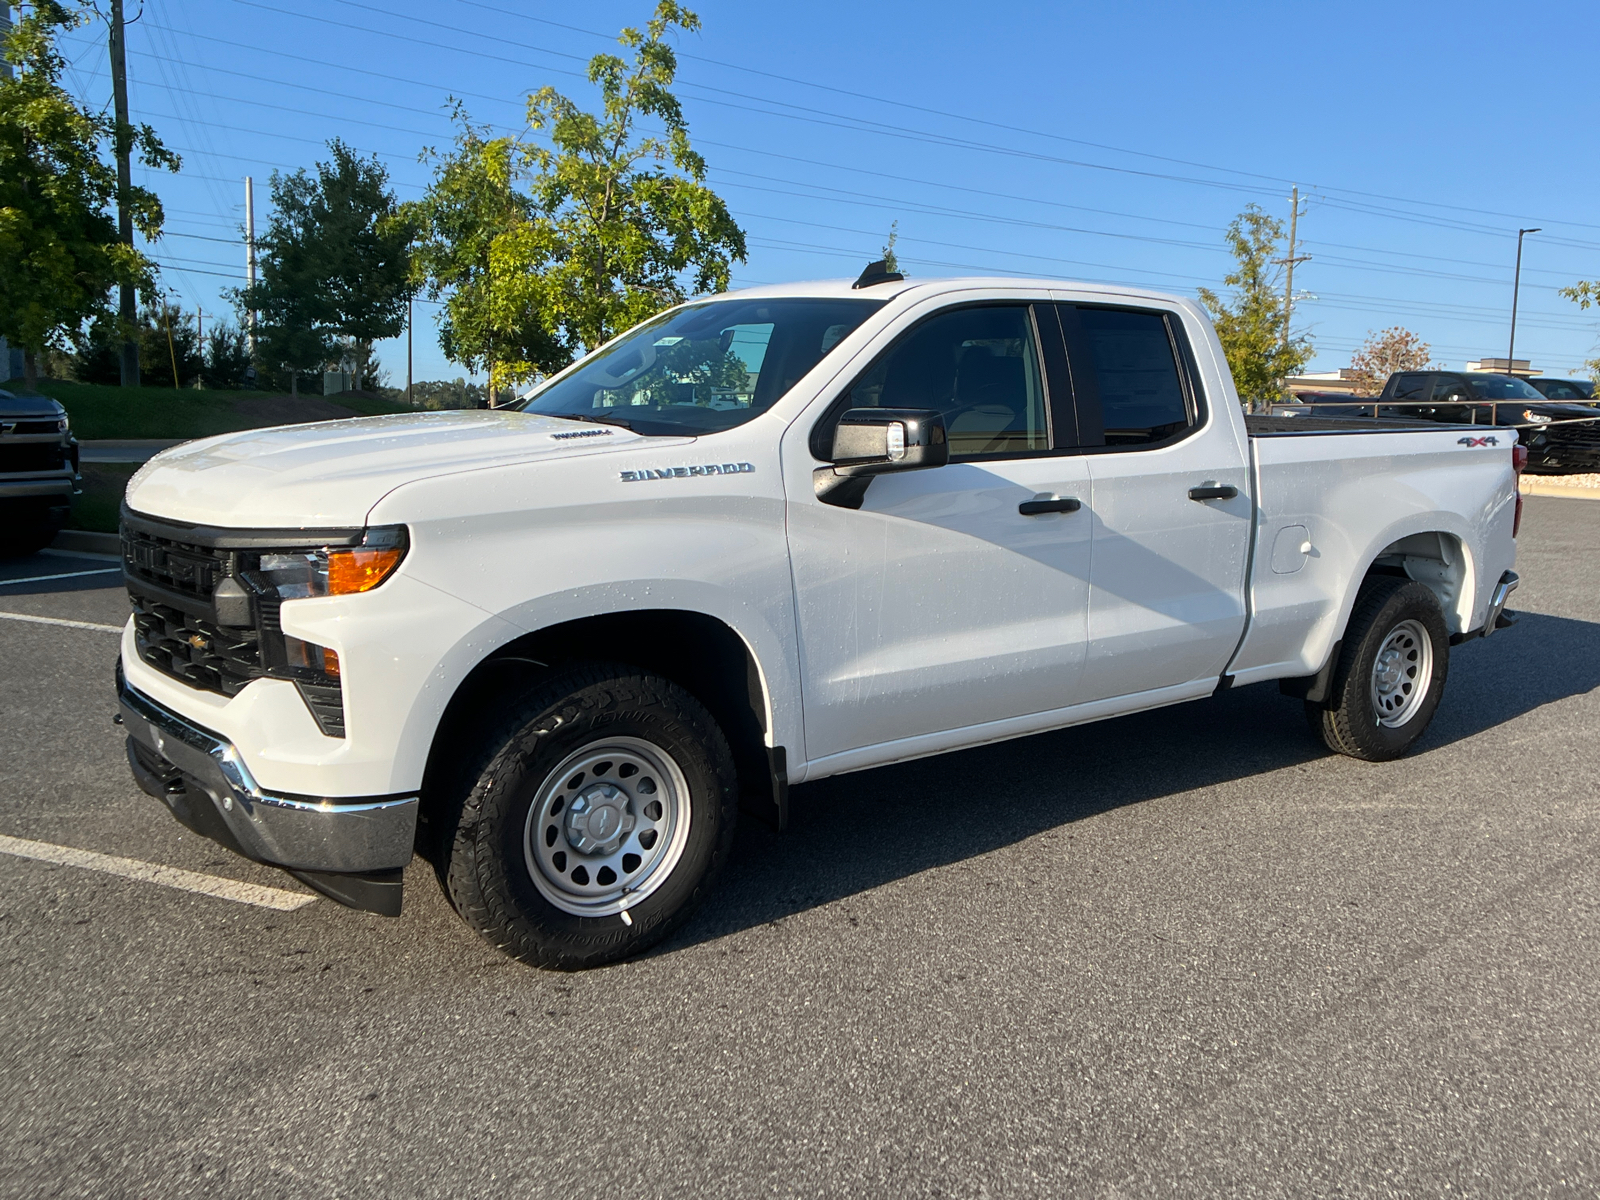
(938,604)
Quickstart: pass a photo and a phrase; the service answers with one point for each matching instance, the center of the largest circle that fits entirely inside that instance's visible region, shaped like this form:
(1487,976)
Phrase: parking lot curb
(1538,487)
(91,543)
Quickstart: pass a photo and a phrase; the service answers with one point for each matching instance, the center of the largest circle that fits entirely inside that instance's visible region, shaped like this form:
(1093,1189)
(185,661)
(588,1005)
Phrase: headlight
(338,570)
(63,425)
(1537,418)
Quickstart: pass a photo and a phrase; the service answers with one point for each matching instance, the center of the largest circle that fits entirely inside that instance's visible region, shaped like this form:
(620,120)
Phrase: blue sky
(1079,141)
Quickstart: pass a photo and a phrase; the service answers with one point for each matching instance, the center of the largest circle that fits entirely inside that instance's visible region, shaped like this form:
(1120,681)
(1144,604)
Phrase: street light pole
(1516,285)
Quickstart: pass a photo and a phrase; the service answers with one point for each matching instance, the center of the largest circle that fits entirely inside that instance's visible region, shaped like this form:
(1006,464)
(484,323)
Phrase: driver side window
(979,367)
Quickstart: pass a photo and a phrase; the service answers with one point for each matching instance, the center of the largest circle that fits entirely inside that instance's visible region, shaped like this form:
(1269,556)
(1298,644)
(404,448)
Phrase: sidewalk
(126,450)
(1571,487)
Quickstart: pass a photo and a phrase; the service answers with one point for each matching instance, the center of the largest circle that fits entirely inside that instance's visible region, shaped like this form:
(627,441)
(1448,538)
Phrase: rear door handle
(1049,504)
(1213,492)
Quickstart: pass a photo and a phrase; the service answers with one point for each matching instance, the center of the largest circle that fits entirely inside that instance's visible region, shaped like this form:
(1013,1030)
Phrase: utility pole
(410,309)
(124,145)
(1516,286)
(250,259)
(1289,262)
(5,32)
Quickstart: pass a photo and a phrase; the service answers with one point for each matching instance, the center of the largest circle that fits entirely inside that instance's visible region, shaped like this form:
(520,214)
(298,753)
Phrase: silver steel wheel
(1402,673)
(607,826)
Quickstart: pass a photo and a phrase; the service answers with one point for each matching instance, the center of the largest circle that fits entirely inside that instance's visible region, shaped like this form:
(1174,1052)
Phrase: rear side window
(1410,387)
(1125,364)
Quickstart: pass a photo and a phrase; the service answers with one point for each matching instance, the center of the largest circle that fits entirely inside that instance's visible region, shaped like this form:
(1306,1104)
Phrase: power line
(1008,127)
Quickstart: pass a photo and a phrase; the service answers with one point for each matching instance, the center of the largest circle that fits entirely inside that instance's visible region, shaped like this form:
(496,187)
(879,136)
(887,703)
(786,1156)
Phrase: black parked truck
(1561,437)
(38,472)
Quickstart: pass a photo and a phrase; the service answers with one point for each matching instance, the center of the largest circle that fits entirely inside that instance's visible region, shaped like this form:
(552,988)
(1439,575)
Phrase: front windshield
(703,368)
(1503,387)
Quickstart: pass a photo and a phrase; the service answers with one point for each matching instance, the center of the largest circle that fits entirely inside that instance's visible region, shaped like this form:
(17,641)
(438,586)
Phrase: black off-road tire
(485,867)
(1349,721)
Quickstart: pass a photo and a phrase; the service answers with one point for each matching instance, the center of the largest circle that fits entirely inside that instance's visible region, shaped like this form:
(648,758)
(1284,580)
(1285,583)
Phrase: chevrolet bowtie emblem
(198,642)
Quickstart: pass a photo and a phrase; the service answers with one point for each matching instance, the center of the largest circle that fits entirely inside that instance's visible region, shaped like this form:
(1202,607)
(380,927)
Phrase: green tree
(227,357)
(1250,324)
(163,333)
(1583,294)
(335,265)
(472,200)
(290,315)
(364,243)
(59,251)
(613,226)
(891,260)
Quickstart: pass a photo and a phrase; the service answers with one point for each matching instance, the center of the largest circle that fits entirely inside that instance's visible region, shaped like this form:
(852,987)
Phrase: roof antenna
(877,272)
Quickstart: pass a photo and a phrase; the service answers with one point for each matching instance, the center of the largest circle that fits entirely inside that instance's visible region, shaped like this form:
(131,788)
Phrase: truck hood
(331,473)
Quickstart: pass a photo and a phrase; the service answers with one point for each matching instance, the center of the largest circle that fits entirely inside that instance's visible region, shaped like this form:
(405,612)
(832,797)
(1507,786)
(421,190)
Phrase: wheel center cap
(1389,677)
(598,819)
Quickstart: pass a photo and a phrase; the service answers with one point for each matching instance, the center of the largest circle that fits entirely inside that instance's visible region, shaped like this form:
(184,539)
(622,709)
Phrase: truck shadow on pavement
(852,833)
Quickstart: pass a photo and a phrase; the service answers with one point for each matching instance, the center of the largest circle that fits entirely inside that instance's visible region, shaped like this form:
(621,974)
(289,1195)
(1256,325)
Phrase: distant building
(1503,366)
(1342,380)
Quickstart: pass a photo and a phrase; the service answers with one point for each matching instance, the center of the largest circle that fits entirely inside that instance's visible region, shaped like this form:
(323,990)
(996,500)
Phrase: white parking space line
(89,555)
(131,868)
(33,620)
(68,575)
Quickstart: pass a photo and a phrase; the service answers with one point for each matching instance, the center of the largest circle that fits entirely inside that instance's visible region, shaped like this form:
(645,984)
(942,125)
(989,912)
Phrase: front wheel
(597,822)
(1390,675)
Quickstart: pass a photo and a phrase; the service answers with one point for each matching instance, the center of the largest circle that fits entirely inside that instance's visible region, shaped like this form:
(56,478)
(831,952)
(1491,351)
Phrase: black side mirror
(875,441)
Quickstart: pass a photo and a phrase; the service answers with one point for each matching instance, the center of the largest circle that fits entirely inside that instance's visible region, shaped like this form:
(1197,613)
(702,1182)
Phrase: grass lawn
(99,411)
(103,485)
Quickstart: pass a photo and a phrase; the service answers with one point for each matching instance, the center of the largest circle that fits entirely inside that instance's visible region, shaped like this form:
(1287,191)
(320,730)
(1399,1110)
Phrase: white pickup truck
(764,538)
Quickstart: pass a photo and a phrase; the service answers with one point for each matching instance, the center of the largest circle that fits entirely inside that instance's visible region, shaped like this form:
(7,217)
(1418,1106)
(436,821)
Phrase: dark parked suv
(1580,390)
(1481,398)
(38,472)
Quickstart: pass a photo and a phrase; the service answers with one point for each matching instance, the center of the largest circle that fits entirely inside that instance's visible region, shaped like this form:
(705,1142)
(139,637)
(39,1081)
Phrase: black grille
(49,425)
(175,567)
(171,583)
(32,456)
(1586,434)
(190,648)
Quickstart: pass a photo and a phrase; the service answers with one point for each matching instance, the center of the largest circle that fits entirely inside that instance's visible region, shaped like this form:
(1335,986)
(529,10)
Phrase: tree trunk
(30,370)
(294,383)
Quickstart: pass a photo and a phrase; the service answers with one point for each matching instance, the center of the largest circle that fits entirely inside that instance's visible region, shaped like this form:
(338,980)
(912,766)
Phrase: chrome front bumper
(194,771)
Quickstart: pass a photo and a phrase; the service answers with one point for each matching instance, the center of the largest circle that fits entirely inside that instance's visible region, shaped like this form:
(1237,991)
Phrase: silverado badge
(687,472)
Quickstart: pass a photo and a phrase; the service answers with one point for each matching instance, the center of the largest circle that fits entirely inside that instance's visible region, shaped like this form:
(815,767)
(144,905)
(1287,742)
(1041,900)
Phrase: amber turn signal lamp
(362,569)
(330,663)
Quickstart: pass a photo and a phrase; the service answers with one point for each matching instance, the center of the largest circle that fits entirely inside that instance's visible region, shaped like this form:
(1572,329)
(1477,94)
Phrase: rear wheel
(1390,675)
(596,821)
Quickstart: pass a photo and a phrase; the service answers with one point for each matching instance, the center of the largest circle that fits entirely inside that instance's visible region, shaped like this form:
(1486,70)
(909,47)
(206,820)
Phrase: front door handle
(1049,504)
(1212,492)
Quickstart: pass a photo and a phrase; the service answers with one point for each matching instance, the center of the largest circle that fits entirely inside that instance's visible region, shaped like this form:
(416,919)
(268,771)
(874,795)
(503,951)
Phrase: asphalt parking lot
(1184,953)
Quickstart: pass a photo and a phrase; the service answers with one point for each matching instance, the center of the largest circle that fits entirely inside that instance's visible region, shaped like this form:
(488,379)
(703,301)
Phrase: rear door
(1171,504)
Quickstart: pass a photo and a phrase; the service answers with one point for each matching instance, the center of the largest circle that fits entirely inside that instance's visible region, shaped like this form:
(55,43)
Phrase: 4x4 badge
(1479,441)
